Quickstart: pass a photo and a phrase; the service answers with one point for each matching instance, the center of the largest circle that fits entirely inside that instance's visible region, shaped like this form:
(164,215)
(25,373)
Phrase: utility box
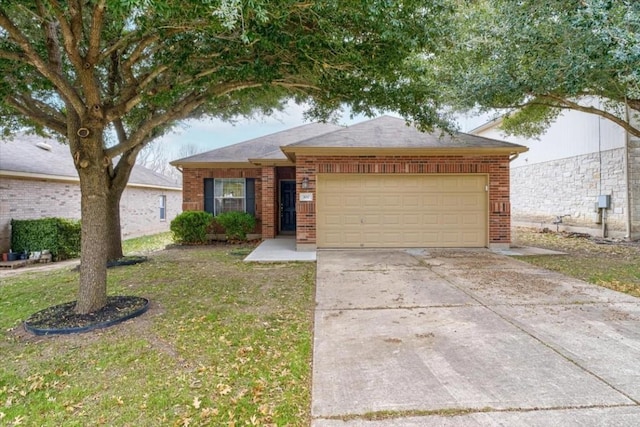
(604,201)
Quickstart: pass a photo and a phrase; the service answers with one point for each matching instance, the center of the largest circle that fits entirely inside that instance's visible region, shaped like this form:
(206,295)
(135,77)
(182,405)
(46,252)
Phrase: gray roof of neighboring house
(264,147)
(393,132)
(22,155)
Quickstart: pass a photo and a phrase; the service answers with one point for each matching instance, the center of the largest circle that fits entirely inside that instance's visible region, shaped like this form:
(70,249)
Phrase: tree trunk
(92,292)
(114,244)
(117,187)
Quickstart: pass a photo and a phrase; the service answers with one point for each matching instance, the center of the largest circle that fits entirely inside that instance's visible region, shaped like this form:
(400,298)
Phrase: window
(162,200)
(229,194)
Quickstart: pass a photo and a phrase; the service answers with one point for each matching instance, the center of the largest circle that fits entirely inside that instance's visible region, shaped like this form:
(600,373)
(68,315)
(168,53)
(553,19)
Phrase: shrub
(236,224)
(190,227)
(59,235)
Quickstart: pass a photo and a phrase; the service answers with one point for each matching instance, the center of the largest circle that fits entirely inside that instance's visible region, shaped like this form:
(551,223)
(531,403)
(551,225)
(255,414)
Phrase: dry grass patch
(612,264)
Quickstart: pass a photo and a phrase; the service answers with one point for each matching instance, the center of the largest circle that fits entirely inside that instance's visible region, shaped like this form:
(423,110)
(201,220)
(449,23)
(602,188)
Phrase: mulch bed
(62,319)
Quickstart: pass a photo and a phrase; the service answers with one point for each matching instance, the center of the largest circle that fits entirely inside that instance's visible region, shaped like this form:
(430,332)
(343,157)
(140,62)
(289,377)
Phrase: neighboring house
(584,169)
(375,184)
(38,180)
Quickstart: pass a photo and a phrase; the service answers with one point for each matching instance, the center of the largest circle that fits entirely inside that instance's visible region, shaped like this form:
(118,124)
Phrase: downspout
(627,146)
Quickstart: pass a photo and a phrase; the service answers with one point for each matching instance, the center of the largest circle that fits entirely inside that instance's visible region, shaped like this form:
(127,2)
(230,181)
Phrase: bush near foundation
(190,227)
(236,224)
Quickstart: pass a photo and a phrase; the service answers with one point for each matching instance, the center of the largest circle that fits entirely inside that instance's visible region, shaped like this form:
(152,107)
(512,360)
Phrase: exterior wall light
(305,183)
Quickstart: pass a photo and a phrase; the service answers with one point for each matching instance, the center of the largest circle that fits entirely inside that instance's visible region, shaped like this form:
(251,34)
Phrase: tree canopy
(533,59)
(109,76)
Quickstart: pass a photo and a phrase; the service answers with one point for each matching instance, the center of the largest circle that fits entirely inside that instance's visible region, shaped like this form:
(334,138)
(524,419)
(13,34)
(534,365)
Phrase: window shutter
(250,196)
(208,195)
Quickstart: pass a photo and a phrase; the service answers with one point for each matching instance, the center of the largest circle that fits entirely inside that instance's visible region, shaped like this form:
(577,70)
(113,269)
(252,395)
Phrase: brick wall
(140,211)
(269,204)
(496,167)
(34,199)
(193,191)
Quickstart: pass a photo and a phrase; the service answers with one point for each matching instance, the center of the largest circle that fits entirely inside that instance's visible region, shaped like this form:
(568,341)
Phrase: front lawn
(614,265)
(224,343)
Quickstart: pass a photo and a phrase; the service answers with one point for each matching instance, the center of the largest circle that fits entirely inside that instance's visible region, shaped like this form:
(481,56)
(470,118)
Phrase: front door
(287,206)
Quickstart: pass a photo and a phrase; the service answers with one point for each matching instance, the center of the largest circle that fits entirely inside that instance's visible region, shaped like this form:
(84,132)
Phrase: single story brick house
(38,180)
(375,184)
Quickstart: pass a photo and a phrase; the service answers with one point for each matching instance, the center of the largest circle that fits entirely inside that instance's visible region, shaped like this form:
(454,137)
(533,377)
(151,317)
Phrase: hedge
(59,235)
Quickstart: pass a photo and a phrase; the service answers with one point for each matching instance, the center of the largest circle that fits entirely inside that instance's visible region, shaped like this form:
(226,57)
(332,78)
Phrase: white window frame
(233,197)
(162,202)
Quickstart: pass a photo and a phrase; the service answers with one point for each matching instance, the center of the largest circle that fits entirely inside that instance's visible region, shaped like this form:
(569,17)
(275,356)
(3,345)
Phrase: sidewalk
(35,268)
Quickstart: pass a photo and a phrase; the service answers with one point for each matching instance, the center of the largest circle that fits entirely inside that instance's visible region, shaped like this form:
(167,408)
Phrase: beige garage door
(376,211)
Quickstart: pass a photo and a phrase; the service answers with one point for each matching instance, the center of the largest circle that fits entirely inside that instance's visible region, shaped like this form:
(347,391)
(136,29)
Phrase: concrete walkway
(280,249)
(469,338)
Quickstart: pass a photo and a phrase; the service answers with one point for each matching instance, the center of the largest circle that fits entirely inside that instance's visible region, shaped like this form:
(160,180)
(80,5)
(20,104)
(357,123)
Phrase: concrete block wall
(496,167)
(41,198)
(570,186)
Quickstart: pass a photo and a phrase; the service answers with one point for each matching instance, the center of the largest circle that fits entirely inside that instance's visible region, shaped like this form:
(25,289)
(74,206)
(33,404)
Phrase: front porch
(280,249)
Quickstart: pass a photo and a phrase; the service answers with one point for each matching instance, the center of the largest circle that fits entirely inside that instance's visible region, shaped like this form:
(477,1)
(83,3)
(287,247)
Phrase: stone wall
(40,198)
(570,186)
(634,184)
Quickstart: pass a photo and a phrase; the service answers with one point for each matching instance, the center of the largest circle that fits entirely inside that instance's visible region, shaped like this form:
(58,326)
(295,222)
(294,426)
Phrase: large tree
(109,76)
(531,59)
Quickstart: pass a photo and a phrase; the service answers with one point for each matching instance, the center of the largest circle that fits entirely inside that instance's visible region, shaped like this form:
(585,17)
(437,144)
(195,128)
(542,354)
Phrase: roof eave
(486,126)
(217,165)
(272,162)
(292,152)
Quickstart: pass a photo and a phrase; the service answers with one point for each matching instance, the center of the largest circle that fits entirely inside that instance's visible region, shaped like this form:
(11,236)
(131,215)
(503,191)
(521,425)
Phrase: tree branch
(13,56)
(65,90)
(593,110)
(51,37)
(96,31)
(28,109)
(70,41)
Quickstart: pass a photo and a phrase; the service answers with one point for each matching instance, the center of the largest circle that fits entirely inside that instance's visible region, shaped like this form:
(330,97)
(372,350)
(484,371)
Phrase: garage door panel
(351,220)
(360,210)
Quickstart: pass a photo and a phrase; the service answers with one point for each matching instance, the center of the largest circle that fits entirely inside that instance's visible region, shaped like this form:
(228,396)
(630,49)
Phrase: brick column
(499,204)
(306,167)
(269,203)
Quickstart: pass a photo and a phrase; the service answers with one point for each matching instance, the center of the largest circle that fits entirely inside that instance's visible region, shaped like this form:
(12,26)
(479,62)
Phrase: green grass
(224,342)
(146,244)
(612,265)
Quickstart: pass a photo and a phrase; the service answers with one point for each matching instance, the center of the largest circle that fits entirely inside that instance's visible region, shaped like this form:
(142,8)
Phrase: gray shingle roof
(392,132)
(22,155)
(384,132)
(264,147)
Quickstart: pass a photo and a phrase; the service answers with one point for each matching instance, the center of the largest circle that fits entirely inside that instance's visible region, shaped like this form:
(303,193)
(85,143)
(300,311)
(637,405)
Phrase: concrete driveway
(469,338)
